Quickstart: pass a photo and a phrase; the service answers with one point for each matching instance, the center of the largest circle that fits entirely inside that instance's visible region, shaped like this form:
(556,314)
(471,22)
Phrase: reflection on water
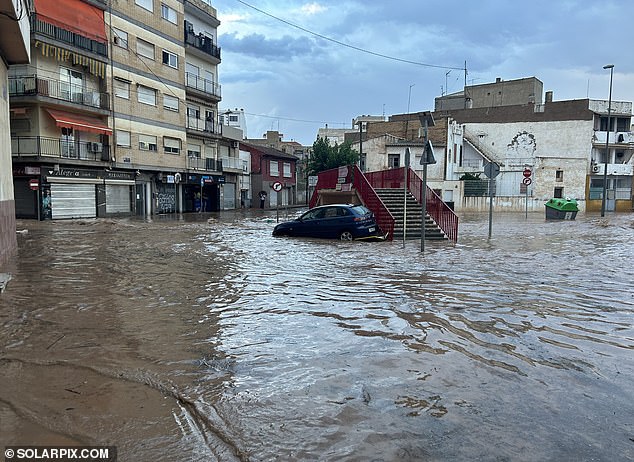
(207,336)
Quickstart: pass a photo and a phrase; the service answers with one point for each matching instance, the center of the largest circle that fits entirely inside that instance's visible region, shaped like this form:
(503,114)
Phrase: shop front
(201,193)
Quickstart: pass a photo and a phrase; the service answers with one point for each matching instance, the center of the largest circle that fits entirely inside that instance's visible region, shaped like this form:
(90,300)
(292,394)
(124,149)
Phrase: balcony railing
(208,164)
(39,25)
(204,85)
(205,126)
(39,146)
(201,41)
(615,137)
(32,85)
(233,163)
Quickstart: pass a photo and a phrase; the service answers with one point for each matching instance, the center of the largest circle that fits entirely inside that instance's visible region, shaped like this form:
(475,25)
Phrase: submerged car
(337,221)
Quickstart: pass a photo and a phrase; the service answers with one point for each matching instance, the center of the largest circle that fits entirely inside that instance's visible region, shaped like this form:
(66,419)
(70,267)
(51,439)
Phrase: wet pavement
(205,338)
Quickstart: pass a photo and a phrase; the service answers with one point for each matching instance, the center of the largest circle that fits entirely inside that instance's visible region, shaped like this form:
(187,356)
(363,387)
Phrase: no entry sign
(34,184)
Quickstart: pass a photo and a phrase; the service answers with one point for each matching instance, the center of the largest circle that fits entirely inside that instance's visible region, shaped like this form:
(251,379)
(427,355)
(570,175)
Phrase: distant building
(269,167)
(561,143)
(14,49)
(500,93)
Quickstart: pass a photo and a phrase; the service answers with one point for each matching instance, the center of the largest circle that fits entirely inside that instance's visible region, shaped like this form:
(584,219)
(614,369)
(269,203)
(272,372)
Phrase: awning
(73,15)
(79,122)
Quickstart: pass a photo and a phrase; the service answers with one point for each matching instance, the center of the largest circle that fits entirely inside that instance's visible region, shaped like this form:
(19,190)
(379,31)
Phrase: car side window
(341,212)
(330,212)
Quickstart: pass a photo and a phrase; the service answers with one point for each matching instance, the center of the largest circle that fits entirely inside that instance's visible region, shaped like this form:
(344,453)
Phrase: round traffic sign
(527,172)
(527,181)
(34,184)
(277,186)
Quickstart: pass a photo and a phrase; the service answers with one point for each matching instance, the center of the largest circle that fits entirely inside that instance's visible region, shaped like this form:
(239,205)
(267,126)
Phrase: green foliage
(474,185)
(325,156)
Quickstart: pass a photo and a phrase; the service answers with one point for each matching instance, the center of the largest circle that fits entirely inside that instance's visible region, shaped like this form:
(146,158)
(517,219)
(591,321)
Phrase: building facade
(118,112)
(15,50)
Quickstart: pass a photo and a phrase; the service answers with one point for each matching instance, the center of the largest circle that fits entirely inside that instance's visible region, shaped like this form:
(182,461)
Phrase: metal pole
(527,202)
(490,206)
(607,144)
(424,191)
(404,204)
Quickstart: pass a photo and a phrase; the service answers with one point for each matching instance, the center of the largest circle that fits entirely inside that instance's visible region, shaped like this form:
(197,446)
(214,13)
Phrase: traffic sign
(527,172)
(34,184)
(491,170)
(277,186)
(527,181)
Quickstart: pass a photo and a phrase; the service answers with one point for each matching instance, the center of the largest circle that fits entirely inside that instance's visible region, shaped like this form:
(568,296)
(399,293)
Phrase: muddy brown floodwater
(205,338)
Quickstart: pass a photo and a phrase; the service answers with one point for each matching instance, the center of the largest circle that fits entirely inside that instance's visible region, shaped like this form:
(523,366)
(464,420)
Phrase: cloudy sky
(295,66)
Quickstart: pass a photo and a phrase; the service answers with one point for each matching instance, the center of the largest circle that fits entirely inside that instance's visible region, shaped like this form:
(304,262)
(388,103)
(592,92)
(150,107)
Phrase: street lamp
(607,143)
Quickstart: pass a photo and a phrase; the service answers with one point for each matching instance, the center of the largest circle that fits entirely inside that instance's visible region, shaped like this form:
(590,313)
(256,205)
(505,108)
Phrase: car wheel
(345,236)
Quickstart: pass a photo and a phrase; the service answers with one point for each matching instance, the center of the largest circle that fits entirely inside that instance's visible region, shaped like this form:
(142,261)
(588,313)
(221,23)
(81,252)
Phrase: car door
(309,224)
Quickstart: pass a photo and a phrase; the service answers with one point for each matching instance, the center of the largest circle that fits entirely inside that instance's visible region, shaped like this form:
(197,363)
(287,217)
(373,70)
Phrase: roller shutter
(118,198)
(73,201)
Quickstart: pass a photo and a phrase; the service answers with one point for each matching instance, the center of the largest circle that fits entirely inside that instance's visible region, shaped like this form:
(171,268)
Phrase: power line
(347,45)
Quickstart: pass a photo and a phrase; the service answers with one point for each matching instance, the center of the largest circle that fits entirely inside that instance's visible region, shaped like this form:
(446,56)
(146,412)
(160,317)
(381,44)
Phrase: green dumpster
(561,209)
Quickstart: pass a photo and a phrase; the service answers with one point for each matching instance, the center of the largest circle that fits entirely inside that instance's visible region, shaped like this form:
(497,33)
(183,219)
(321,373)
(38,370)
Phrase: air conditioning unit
(596,168)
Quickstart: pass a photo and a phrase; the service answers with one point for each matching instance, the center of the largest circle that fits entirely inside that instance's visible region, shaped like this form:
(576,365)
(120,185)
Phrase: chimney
(498,79)
(549,97)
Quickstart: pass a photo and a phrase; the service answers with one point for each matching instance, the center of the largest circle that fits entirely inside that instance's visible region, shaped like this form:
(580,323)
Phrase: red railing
(440,212)
(371,199)
(328,179)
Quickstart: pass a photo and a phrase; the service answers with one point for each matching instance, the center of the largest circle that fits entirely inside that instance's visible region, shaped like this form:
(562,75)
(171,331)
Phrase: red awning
(79,122)
(74,15)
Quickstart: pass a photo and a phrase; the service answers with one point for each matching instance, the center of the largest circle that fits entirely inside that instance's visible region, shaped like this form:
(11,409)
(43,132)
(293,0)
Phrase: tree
(325,156)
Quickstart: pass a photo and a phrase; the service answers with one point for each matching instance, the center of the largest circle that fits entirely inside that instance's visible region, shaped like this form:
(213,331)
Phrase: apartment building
(14,49)
(118,113)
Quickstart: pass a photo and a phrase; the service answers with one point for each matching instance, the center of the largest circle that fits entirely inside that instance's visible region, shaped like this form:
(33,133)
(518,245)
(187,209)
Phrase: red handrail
(371,199)
(440,212)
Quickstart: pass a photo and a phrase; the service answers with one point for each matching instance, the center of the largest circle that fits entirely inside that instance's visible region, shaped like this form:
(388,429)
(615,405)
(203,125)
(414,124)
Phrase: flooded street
(205,338)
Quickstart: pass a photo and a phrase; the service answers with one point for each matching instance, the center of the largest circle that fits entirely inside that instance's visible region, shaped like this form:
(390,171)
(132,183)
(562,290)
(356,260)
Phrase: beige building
(118,112)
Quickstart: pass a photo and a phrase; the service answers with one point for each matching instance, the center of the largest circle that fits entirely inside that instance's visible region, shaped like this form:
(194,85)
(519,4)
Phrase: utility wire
(347,45)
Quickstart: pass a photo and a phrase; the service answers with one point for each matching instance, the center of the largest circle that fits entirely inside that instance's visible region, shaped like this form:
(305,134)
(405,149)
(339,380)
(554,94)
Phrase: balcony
(232,164)
(33,85)
(613,169)
(203,85)
(201,41)
(56,148)
(204,126)
(65,36)
(615,138)
(208,164)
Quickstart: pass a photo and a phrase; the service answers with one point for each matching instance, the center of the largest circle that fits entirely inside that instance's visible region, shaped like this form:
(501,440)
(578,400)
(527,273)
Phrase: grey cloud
(259,46)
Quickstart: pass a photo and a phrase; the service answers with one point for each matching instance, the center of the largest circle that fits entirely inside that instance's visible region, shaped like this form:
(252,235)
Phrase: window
(120,38)
(559,175)
(233,119)
(171,59)
(559,193)
(393,160)
(193,150)
(274,169)
(287,170)
(144,48)
(146,95)
(147,143)
(170,103)
(168,13)
(71,85)
(171,145)
(123,138)
(121,88)
(147,4)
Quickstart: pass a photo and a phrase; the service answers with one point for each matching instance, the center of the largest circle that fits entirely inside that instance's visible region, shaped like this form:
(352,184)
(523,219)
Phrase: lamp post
(607,143)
